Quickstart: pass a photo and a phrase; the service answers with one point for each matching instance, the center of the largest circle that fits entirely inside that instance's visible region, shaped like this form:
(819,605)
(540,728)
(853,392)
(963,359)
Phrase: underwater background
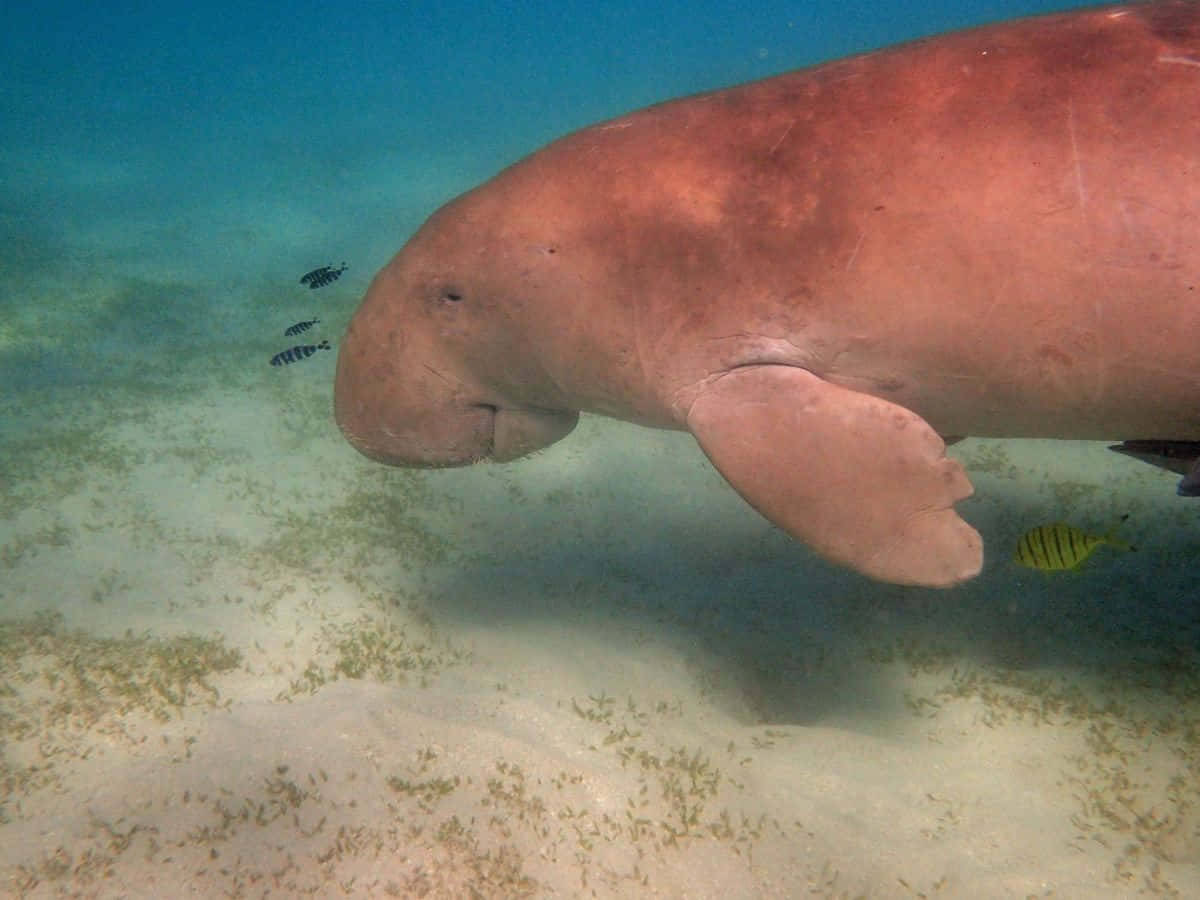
(237,659)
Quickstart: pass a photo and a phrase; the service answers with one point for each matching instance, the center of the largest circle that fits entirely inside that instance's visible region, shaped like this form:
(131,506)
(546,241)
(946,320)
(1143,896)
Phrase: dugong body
(993,232)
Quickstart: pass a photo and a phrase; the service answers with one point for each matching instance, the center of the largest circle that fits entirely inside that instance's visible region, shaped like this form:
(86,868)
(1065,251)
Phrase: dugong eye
(451,296)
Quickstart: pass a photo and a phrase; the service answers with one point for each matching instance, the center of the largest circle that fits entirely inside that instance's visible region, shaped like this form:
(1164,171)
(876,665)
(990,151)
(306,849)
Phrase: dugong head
(436,368)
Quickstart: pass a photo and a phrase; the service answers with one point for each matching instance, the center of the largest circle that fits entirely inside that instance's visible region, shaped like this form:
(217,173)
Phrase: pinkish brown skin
(996,231)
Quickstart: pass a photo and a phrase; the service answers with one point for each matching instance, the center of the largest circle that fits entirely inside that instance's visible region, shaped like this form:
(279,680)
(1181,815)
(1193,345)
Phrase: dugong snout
(397,411)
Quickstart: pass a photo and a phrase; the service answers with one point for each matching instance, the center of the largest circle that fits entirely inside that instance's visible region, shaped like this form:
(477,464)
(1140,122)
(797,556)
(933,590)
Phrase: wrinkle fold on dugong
(994,232)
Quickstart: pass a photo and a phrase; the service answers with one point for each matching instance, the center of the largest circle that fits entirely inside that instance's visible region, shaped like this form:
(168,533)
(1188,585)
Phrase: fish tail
(1115,542)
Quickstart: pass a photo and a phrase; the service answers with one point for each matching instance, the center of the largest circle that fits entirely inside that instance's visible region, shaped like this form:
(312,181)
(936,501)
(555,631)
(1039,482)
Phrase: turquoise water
(167,174)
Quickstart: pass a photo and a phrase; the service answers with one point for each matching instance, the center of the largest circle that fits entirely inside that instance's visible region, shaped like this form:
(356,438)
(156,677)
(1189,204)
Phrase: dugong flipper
(878,491)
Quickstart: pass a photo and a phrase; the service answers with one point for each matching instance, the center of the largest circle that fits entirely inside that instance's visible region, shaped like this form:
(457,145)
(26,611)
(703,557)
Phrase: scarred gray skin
(995,232)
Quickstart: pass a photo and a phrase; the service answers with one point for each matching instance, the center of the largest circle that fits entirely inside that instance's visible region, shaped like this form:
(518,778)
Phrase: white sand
(592,673)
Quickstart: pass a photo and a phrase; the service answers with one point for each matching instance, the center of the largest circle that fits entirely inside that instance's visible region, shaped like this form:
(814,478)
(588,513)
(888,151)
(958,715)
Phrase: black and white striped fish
(297,353)
(322,276)
(299,327)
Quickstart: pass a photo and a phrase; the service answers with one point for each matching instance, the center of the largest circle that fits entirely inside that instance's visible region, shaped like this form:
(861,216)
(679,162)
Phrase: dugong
(823,276)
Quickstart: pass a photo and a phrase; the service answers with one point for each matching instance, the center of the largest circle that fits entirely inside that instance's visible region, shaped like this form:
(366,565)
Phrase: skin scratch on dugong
(1180,60)
(1079,189)
(782,137)
(862,236)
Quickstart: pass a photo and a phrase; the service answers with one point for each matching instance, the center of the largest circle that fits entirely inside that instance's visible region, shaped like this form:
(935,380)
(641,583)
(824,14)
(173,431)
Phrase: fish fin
(862,481)
(1077,566)
(1113,541)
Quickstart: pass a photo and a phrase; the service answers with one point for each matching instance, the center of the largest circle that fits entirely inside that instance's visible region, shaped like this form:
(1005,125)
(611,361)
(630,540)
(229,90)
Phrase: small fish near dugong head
(994,232)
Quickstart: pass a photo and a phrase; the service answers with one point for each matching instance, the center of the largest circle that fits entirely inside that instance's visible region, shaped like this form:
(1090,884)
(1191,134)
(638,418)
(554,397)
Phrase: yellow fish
(1058,546)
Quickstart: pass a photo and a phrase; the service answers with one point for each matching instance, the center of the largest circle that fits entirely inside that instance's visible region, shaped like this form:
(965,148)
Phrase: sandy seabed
(240,661)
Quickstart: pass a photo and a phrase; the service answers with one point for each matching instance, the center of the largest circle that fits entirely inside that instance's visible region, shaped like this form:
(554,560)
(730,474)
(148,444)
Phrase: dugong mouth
(459,437)
(517,432)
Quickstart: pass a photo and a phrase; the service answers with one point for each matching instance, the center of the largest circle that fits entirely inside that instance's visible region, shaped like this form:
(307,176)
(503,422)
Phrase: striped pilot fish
(1058,547)
(297,353)
(293,330)
(322,276)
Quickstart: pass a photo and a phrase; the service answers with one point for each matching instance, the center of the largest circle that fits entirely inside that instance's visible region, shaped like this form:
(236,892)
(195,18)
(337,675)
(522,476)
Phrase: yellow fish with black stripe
(1059,547)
